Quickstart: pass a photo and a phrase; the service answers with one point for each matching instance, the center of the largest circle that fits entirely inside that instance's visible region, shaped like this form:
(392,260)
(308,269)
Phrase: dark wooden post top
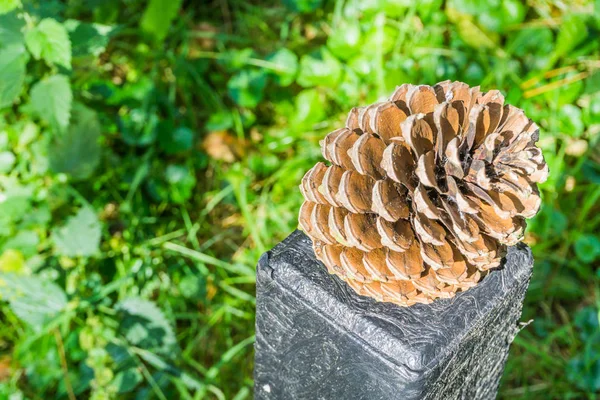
(317,339)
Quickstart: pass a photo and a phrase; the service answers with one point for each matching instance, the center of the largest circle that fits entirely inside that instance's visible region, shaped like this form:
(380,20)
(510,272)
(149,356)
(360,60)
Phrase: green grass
(132,216)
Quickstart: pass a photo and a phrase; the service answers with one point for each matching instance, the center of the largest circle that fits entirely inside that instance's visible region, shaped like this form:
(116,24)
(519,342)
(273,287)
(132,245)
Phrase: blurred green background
(150,151)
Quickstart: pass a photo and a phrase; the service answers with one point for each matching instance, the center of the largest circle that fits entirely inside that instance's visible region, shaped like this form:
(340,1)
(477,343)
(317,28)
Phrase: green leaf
(10,29)
(584,372)
(182,182)
(587,323)
(592,112)
(50,40)
(287,62)
(320,69)
(176,140)
(513,12)
(381,37)
(126,381)
(11,261)
(51,98)
(193,287)
(309,109)
(219,121)
(16,202)
(12,73)
(247,87)
(88,39)
(565,94)
(428,10)
(80,236)
(303,6)
(474,36)
(7,160)
(362,64)
(536,41)
(25,242)
(498,17)
(144,325)
(77,151)
(33,299)
(7,6)
(139,126)
(344,42)
(587,248)
(397,8)
(570,120)
(572,32)
(471,7)
(592,83)
(350,88)
(158,16)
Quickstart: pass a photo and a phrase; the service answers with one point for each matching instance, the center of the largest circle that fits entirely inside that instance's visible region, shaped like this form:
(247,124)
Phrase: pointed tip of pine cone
(423,193)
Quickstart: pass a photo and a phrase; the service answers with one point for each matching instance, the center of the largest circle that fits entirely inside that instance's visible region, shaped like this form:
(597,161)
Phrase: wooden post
(317,339)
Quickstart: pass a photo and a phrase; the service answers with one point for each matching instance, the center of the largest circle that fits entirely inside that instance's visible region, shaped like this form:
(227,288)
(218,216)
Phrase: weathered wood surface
(317,339)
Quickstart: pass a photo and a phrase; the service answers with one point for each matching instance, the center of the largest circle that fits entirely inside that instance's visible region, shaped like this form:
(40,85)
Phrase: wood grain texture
(317,339)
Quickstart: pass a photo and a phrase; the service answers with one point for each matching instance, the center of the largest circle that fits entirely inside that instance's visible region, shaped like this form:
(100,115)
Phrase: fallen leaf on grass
(5,371)
(223,146)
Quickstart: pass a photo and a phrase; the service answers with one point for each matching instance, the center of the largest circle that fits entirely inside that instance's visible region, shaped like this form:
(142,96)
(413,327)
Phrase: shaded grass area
(189,129)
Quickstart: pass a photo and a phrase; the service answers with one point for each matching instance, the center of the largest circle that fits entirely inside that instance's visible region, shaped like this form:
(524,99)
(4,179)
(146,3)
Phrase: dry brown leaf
(5,369)
(222,146)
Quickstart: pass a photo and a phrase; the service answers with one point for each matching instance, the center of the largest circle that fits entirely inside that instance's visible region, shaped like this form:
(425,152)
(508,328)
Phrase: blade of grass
(206,259)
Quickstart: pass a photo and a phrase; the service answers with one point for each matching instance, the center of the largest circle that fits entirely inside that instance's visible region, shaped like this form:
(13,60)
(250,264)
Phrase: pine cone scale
(424,192)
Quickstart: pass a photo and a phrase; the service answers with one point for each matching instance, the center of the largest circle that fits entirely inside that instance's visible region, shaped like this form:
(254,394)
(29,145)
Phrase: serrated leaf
(144,325)
(10,29)
(51,99)
(77,151)
(7,6)
(79,236)
(33,299)
(87,39)
(12,73)
(50,40)
(158,17)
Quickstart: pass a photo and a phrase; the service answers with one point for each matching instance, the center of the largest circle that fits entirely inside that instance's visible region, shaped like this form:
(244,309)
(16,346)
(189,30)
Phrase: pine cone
(424,192)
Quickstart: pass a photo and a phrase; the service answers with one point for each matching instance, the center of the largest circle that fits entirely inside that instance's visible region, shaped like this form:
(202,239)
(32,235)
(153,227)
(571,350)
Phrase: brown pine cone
(424,191)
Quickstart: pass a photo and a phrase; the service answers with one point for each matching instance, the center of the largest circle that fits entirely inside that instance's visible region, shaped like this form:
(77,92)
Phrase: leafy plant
(151,151)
